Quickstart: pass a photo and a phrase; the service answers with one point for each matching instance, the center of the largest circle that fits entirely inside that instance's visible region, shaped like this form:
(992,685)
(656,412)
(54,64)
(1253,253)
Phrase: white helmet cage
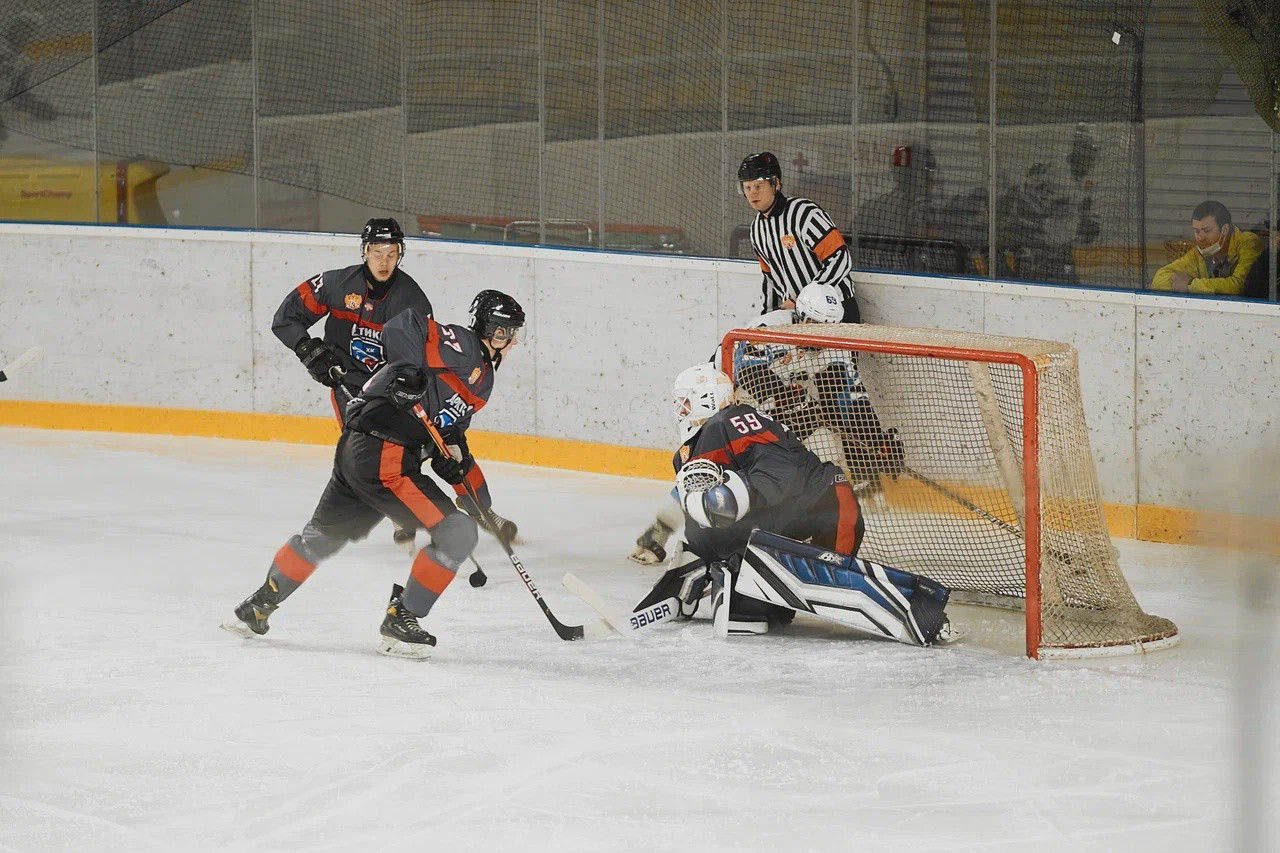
(819,303)
(698,393)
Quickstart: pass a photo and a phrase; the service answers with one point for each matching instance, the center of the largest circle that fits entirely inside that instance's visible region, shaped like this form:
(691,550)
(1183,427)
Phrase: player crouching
(752,495)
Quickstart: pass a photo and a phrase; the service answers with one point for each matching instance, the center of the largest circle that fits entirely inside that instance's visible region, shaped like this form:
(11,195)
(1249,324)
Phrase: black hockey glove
(891,454)
(405,390)
(321,361)
(452,468)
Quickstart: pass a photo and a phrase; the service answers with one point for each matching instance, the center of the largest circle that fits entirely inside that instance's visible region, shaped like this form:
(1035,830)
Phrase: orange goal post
(994,492)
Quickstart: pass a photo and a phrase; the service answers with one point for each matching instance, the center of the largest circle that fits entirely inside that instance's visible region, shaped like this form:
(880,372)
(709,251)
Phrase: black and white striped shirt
(797,244)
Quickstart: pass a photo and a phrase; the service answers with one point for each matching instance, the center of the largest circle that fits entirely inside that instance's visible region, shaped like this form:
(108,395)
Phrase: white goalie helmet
(819,303)
(698,393)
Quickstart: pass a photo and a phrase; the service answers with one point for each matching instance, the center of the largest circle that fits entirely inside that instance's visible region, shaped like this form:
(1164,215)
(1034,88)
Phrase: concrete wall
(1181,393)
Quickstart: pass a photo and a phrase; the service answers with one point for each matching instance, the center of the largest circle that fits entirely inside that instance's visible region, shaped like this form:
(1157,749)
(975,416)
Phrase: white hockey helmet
(698,393)
(819,303)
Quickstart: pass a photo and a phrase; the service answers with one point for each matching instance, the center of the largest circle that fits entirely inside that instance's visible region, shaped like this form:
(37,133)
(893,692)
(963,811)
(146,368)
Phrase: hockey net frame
(995,444)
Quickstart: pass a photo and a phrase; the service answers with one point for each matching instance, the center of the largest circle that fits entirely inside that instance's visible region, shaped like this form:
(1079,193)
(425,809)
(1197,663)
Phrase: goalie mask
(819,303)
(698,393)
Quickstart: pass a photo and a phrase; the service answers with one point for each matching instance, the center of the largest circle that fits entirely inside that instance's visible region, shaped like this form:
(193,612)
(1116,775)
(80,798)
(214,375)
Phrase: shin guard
(867,596)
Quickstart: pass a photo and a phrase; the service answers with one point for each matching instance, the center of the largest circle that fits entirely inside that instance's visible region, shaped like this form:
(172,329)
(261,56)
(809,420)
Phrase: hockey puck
(477,579)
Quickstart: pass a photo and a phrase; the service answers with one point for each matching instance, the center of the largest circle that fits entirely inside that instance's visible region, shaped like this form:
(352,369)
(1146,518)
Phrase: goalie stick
(628,625)
(21,362)
(563,631)
(477,578)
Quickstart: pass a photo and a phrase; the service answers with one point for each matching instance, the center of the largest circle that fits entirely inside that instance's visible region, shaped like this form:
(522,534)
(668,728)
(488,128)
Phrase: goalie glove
(712,496)
(502,529)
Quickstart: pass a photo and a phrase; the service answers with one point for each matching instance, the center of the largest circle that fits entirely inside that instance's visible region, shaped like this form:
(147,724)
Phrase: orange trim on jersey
(763,265)
(721,454)
(475,478)
(292,564)
(333,401)
(309,300)
(431,574)
(349,316)
(831,243)
(460,388)
(431,350)
(391,473)
(847,521)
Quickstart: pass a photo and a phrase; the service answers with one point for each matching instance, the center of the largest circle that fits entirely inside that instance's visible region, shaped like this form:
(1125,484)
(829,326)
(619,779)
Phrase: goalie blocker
(863,595)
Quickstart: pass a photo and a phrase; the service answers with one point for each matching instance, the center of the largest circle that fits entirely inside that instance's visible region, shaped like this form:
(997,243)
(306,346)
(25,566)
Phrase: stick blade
(592,599)
(26,359)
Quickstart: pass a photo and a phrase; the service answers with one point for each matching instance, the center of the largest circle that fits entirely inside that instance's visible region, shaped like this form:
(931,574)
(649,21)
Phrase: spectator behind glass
(1043,219)
(1257,284)
(910,209)
(1220,260)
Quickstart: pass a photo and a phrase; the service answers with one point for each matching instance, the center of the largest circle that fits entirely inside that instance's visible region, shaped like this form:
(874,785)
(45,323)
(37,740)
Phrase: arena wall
(168,331)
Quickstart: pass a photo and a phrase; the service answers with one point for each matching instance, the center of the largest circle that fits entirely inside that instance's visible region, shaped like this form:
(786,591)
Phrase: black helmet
(382,231)
(493,309)
(757,166)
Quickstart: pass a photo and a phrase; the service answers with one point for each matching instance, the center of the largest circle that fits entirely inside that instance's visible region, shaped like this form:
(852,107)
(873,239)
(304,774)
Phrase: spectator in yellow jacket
(1220,260)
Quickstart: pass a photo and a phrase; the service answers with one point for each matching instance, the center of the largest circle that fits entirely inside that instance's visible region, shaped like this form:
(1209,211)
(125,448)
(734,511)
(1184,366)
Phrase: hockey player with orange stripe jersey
(355,302)
(773,530)
(382,462)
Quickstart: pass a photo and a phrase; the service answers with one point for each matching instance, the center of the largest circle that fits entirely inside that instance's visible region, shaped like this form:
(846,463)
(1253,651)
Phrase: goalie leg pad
(864,595)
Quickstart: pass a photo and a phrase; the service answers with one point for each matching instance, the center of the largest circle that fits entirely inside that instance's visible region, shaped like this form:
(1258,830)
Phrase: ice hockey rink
(129,721)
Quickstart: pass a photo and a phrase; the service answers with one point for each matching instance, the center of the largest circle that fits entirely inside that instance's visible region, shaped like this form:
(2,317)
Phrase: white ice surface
(129,721)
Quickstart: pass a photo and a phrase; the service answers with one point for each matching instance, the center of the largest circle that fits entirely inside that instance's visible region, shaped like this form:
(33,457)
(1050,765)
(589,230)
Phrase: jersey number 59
(746,424)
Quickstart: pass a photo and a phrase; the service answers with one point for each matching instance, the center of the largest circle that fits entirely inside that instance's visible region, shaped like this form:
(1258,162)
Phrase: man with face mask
(1220,260)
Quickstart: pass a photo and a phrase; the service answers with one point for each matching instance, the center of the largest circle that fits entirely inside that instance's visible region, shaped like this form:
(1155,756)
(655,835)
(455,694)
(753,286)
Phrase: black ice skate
(402,636)
(650,547)
(252,613)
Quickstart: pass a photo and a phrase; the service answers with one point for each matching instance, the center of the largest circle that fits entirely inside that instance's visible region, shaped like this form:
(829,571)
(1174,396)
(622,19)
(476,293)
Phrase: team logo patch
(353,300)
(368,353)
(684,453)
(788,241)
(475,376)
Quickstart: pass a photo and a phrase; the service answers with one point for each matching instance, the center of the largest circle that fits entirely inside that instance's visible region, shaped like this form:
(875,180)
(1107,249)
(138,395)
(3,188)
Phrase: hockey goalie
(772,530)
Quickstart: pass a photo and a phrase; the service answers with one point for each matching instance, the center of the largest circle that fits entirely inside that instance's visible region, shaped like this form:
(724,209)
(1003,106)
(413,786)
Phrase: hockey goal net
(971,457)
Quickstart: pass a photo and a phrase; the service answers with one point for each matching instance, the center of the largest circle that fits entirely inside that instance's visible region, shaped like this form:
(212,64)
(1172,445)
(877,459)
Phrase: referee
(795,240)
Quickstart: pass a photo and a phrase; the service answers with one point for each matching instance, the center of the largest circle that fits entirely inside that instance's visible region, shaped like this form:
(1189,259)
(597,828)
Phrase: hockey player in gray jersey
(752,495)
(806,390)
(356,302)
(381,464)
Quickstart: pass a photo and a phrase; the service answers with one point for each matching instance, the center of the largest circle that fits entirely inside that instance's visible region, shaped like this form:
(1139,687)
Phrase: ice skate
(651,546)
(402,636)
(252,613)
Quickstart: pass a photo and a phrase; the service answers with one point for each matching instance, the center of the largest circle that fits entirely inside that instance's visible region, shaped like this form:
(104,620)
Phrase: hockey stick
(985,515)
(477,578)
(563,631)
(26,359)
(627,624)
